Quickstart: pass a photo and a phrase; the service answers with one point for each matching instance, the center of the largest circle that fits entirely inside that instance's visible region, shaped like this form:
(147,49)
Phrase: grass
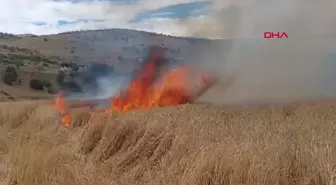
(191,144)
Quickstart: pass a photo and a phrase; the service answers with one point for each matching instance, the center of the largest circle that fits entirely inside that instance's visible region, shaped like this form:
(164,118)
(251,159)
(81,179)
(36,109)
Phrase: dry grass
(191,144)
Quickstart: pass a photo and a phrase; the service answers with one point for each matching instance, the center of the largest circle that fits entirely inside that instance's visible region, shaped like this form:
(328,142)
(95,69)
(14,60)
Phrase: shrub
(72,86)
(10,75)
(74,67)
(36,84)
(99,69)
(60,78)
(52,90)
(46,84)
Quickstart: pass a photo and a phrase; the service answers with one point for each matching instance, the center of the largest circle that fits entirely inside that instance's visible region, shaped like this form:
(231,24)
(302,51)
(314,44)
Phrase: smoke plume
(251,67)
(271,69)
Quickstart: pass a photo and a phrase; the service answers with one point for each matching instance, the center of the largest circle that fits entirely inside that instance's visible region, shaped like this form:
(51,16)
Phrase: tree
(36,84)
(10,75)
(74,67)
(52,90)
(46,83)
(72,86)
(99,69)
(60,78)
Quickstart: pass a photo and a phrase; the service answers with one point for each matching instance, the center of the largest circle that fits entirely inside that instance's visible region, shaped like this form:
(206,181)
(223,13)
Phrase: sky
(202,18)
(54,16)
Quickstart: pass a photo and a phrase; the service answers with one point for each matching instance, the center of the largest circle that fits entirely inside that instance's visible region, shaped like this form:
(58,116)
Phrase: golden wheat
(186,145)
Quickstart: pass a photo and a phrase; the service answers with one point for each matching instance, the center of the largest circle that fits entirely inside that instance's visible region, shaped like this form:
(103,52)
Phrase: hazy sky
(53,16)
(212,18)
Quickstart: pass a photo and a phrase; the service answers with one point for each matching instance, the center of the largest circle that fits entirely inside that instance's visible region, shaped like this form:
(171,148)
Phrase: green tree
(60,78)
(10,75)
(36,84)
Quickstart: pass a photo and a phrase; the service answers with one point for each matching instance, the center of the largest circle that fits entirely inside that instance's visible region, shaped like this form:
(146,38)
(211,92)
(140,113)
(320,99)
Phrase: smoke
(250,67)
(102,87)
(271,69)
(110,85)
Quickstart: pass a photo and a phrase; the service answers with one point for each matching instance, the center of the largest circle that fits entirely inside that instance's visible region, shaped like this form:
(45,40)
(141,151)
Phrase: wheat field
(185,145)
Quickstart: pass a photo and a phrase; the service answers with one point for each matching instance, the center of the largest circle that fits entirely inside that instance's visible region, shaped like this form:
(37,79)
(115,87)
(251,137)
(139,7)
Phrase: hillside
(41,57)
(103,45)
(125,49)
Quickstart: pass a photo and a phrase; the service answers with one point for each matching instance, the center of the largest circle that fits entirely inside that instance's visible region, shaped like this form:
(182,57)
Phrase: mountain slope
(102,45)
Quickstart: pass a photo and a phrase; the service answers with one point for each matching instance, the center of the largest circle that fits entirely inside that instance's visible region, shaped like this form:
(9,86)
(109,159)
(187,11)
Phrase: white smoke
(265,69)
(110,85)
(276,69)
(107,87)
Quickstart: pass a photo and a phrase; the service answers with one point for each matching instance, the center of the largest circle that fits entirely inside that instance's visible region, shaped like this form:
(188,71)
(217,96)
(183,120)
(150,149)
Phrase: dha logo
(278,35)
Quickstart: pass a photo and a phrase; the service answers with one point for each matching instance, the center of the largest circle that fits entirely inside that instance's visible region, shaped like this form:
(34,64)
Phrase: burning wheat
(175,87)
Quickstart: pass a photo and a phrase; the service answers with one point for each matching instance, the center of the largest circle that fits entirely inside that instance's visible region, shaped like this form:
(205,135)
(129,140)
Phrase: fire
(173,89)
(149,90)
(62,107)
(141,94)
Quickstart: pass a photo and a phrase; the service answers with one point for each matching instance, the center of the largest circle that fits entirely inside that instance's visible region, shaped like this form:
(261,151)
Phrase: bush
(36,85)
(52,90)
(60,78)
(46,84)
(72,86)
(100,69)
(39,84)
(74,67)
(10,75)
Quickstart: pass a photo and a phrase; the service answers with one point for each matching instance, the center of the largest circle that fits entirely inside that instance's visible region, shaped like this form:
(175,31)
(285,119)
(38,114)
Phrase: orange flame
(174,88)
(62,106)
